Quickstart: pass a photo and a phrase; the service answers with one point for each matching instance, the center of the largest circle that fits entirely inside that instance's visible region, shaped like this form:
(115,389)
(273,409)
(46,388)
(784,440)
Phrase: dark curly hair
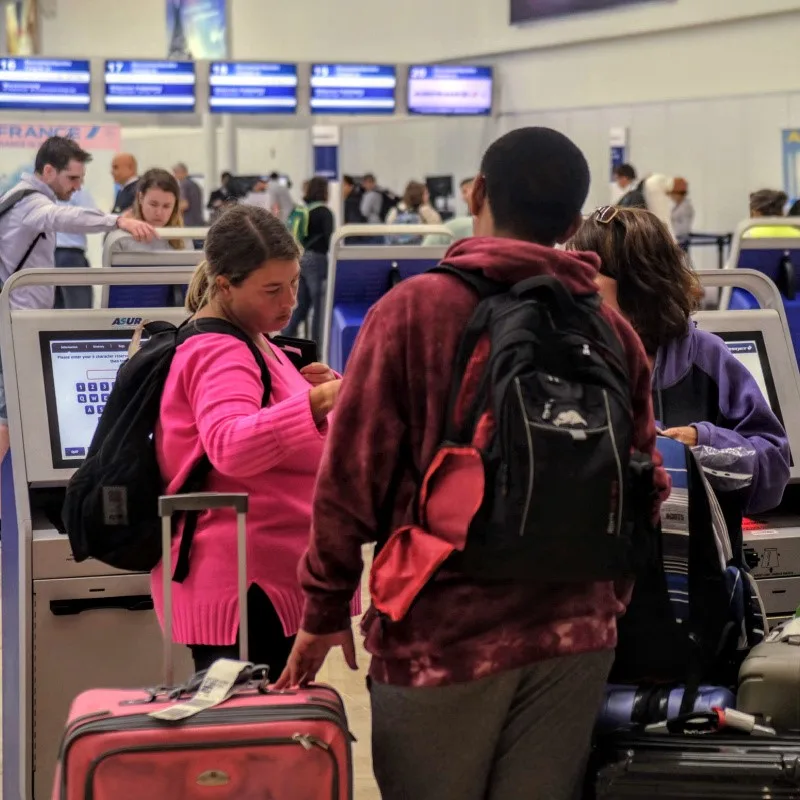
(657,289)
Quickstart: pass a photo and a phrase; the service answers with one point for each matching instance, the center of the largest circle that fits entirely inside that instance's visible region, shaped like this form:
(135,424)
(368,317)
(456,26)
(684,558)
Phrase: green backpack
(298,221)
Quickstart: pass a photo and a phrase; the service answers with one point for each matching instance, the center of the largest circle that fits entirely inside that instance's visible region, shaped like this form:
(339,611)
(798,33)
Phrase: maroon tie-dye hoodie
(388,424)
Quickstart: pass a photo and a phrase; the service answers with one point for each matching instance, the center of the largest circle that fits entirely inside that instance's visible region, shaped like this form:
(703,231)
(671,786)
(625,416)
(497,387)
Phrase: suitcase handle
(202,501)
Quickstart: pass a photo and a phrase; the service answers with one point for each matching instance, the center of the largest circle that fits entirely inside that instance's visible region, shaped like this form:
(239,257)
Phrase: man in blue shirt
(71,252)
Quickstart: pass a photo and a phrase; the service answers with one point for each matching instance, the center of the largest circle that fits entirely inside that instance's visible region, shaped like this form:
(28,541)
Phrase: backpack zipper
(530,458)
(621,498)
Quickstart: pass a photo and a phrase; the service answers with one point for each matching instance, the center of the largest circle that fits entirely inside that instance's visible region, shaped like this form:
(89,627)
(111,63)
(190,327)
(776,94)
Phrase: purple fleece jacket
(744,418)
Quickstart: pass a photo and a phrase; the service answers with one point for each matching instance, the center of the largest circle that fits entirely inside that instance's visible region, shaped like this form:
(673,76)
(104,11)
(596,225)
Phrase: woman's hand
(323,398)
(686,435)
(317,374)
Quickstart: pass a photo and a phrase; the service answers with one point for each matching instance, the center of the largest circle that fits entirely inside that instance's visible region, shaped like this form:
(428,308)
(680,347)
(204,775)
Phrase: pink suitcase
(256,745)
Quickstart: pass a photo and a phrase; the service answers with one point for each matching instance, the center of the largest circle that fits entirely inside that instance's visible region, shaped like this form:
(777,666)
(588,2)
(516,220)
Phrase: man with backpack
(632,189)
(30,217)
(484,440)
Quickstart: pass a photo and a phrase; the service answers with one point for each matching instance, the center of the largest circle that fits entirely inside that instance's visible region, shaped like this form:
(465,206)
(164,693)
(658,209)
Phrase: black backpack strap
(485,288)
(198,475)
(6,206)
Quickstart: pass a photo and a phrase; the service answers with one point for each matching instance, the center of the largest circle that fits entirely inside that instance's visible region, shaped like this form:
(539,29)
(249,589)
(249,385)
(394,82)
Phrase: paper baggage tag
(786,631)
(216,688)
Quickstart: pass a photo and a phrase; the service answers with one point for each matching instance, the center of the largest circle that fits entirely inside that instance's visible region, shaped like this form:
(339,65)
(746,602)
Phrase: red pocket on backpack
(403,566)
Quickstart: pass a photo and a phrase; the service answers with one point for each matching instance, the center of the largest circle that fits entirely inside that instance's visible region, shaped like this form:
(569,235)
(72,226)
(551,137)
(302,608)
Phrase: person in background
(625,179)
(125,173)
(71,252)
(28,231)
(461,227)
(484,689)
(314,263)
(158,203)
(413,209)
(352,194)
(191,205)
(220,198)
(212,404)
(682,213)
(657,194)
(279,198)
(770,203)
(702,395)
(257,196)
(371,200)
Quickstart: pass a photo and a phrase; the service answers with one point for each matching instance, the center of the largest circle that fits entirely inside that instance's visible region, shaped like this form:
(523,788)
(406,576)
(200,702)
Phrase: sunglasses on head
(605,214)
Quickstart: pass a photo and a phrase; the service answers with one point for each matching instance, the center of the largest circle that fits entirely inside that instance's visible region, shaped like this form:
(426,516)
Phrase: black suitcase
(674,767)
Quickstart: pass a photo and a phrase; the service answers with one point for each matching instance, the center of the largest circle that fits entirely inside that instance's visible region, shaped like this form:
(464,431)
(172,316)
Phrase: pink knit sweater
(212,403)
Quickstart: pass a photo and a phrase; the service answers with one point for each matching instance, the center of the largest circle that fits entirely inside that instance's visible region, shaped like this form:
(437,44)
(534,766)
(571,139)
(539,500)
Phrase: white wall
(414,149)
(449,29)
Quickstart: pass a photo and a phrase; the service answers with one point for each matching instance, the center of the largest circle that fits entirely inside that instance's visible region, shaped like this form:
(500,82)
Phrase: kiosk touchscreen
(750,351)
(79,370)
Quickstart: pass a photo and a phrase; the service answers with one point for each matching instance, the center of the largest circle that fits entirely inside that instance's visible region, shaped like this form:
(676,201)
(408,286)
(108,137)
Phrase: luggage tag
(217,686)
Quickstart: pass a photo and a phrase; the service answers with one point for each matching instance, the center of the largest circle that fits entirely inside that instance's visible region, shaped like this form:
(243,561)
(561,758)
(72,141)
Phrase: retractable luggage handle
(202,501)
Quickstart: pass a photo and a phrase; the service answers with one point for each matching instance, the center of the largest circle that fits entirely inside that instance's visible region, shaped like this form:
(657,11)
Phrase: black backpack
(695,611)
(7,204)
(635,198)
(389,200)
(111,506)
(564,499)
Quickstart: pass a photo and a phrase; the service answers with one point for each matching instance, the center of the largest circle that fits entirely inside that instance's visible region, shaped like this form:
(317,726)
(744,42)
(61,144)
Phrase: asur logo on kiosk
(126,322)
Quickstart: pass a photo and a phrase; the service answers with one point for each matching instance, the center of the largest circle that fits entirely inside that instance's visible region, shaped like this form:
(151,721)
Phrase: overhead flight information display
(150,86)
(438,90)
(353,89)
(45,84)
(252,88)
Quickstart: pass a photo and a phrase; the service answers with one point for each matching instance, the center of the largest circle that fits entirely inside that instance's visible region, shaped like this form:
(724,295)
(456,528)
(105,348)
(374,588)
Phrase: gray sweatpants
(518,735)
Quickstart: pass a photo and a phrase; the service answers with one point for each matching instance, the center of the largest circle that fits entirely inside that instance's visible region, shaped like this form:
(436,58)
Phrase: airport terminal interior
(150,152)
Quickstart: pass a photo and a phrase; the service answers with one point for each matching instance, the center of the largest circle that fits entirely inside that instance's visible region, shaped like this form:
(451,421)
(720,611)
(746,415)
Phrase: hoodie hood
(512,260)
(674,360)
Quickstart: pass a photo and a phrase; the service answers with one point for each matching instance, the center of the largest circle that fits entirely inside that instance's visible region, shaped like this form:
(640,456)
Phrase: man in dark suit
(125,172)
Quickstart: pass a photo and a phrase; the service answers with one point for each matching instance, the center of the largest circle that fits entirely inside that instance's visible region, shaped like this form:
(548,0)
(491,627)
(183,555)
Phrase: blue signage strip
(446,89)
(353,89)
(45,84)
(326,161)
(252,88)
(150,86)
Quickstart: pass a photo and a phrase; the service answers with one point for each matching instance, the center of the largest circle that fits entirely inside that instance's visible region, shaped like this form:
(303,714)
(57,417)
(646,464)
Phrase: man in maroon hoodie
(483,689)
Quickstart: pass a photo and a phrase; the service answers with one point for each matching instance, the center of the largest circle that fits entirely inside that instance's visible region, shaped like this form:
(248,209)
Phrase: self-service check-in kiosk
(761,340)
(66,626)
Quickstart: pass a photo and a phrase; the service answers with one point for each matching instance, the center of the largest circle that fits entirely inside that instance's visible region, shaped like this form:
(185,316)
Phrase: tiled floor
(353,688)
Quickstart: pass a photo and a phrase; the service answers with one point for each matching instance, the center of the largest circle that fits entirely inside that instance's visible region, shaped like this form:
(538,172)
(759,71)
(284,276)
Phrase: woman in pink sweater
(212,404)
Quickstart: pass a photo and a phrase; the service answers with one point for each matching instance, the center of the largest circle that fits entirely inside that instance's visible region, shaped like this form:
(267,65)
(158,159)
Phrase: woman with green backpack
(312,226)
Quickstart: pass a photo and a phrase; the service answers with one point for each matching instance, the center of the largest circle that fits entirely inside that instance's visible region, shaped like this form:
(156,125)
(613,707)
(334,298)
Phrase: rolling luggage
(229,736)
(769,679)
(720,766)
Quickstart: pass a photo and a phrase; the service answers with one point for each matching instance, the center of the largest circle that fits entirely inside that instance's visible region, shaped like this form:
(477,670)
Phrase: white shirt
(81,199)
(656,193)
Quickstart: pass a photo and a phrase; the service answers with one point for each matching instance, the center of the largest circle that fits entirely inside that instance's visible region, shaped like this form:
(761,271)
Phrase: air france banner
(89,137)
(791,163)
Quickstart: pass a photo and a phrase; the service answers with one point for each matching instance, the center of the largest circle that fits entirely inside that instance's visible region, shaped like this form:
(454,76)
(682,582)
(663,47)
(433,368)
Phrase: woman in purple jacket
(702,395)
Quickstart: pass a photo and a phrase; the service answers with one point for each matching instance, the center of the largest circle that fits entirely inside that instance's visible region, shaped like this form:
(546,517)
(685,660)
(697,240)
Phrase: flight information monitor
(79,368)
(158,87)
(252,88)
(353,89)
(45,84)
(450,90)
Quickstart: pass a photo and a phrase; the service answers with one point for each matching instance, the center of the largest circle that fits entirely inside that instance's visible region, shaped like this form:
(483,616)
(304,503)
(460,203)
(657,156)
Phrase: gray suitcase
(769,679)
